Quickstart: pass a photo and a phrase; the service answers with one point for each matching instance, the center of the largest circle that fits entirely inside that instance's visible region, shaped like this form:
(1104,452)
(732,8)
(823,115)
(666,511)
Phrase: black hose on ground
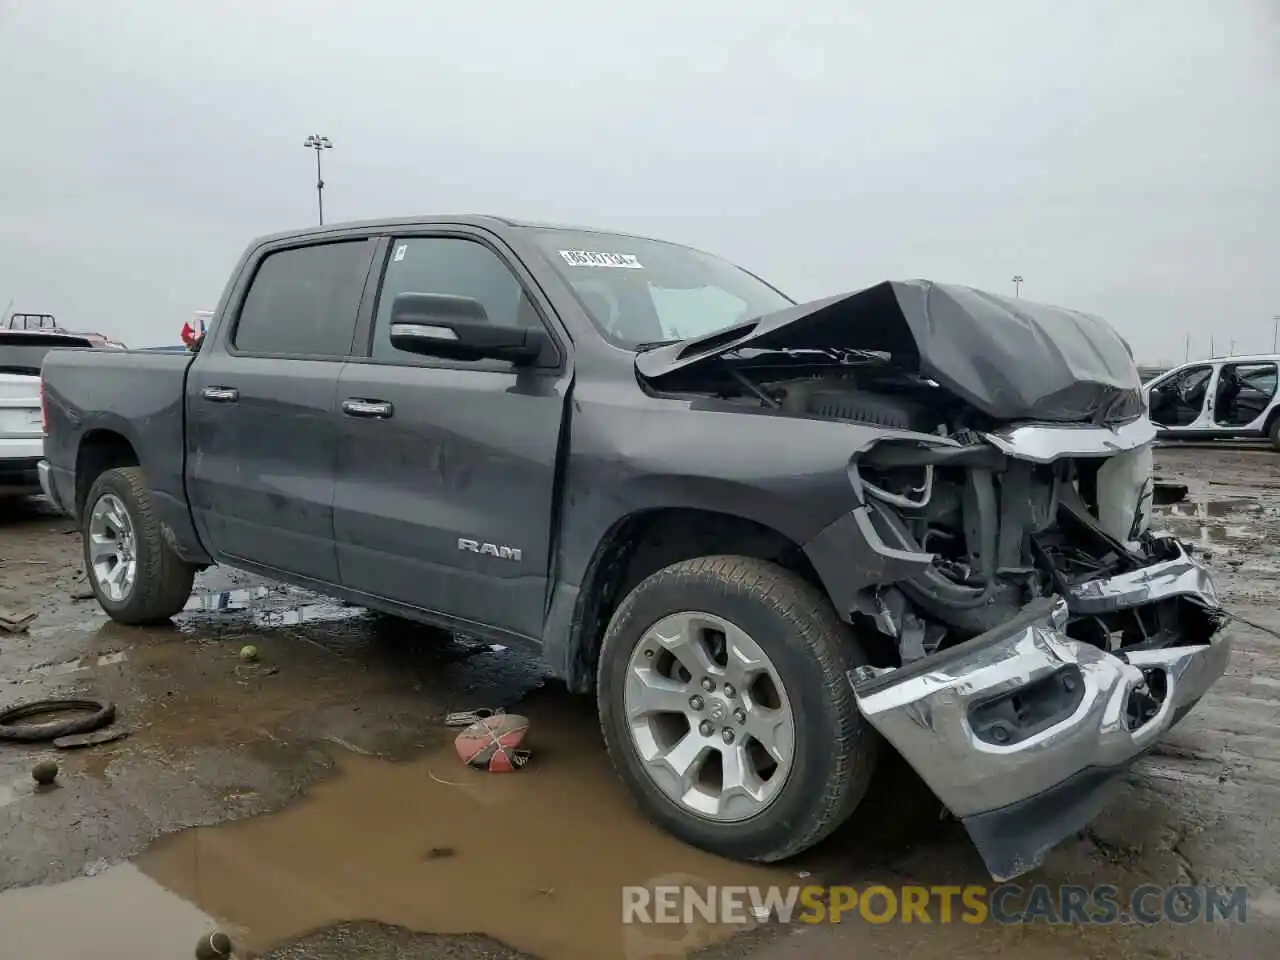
(1270,631)
(99,714)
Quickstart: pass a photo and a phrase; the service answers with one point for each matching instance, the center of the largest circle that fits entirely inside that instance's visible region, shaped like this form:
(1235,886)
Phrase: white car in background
(1220,399)
(21,419)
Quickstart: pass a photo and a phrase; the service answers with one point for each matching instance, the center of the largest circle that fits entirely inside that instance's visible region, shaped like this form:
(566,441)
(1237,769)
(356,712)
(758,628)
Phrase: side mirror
(457,328)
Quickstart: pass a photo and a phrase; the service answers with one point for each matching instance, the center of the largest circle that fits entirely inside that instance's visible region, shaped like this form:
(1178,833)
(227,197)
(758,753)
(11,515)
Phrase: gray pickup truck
(774,539)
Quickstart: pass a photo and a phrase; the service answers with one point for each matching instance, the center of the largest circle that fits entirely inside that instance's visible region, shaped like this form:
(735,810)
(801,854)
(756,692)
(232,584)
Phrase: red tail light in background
(44,409)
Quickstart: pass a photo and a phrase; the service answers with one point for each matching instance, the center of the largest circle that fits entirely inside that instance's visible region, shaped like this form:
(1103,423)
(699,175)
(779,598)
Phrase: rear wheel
(1274,433)
(725,706)
(135,575)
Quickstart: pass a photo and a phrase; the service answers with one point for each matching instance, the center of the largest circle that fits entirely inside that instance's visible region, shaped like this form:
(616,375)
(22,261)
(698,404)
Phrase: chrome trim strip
(1045,442)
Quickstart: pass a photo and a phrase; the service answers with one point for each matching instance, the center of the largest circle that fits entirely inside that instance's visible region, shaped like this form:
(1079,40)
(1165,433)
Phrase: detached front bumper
(1022,732)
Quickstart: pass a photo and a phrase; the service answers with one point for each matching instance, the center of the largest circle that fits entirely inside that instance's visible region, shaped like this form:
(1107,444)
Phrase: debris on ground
(45,772)
(465,718)
(216,946)
(75,741)
(92,715)
(492,743)
(1166,492)
(12,622)
(249,653)
(81,590)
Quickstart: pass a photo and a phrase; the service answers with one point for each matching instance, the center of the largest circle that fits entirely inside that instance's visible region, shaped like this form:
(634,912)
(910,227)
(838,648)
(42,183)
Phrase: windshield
(646,291)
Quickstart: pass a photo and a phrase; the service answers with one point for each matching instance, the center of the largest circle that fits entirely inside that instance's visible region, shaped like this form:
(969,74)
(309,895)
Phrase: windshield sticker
(400,250)
(590,258)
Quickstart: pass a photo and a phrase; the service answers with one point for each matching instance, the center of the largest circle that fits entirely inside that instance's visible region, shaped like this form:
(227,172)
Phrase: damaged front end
(1029,635)
(1049,639)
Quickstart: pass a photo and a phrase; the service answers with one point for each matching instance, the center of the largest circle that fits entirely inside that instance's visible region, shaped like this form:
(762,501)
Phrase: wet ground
(311,804)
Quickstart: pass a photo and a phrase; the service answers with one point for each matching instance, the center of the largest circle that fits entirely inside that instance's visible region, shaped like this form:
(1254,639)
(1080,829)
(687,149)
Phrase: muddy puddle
(535,859)
(118,912)
(264,605)
(1204,520)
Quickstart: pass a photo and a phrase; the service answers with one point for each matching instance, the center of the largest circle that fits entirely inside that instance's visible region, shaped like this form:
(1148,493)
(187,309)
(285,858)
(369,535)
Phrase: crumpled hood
(1010,358)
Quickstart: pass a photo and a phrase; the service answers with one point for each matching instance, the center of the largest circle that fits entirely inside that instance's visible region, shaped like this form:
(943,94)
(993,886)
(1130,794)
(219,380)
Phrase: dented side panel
(630,454)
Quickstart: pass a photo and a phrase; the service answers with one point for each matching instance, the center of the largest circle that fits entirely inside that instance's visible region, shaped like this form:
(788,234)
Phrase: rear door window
(1258,376)
(303,301)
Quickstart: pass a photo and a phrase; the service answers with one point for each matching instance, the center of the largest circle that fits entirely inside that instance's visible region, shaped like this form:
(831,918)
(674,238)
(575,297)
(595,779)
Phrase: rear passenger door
(444,500)
(261,430)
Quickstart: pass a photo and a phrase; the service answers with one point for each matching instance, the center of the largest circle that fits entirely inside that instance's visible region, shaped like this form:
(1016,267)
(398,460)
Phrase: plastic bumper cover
(48,487)
(1022,731)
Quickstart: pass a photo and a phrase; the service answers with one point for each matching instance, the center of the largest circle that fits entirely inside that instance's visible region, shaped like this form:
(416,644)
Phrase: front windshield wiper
(654,344)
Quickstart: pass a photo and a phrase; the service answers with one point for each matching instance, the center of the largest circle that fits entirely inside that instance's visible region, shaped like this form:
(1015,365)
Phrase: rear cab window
(303,301)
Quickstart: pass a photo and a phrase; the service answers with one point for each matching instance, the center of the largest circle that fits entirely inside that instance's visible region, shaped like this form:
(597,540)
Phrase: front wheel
(726,708)
(135,574)
(1273,433)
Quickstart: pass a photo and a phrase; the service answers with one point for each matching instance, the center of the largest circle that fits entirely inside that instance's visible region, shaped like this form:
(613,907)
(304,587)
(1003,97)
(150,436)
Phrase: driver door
(1179,403)
(445,494)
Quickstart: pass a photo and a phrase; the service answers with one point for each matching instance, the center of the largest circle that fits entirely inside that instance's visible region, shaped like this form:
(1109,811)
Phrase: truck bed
(138,394)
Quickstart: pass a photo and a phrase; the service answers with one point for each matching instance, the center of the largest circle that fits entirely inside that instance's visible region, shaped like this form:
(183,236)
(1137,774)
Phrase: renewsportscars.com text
(1004,904)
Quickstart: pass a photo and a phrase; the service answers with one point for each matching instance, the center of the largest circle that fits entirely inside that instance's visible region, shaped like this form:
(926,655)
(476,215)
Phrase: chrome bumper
(1183,576)
(1024,723)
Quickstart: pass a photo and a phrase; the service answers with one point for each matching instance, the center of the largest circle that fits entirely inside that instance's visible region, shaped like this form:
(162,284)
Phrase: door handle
(221,394)
(370,409)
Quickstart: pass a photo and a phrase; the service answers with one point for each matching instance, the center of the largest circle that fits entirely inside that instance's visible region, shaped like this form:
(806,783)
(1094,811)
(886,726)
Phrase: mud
(311,804)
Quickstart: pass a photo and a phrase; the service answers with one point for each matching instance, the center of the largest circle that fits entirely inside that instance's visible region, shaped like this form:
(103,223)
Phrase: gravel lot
(311,803)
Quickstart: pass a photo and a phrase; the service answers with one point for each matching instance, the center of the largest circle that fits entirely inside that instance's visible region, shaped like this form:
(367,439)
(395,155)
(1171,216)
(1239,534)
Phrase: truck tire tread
(831,780)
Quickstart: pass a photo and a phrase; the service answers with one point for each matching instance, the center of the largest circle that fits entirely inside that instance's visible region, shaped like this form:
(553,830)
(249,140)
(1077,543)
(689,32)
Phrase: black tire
(163,583)
(835,748)
(100,713)
(1273,433)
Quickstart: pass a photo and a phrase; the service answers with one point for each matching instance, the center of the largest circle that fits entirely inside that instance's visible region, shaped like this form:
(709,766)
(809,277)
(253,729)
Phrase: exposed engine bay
(1003,527)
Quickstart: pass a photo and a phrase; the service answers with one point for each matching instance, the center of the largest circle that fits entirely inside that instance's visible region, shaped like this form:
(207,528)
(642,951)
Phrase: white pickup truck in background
(22,352)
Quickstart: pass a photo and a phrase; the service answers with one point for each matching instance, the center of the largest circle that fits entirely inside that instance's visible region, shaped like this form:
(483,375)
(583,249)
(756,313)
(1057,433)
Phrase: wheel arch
(647,540)
(100,450)
(1269,424)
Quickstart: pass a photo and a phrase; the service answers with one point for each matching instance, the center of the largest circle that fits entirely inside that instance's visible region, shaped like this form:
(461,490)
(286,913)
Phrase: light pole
(319,144)
(1017,284)
(1275,331)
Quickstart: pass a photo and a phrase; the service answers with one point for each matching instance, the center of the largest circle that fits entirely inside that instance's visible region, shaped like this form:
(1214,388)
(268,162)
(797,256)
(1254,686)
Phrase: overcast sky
(1123,157)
